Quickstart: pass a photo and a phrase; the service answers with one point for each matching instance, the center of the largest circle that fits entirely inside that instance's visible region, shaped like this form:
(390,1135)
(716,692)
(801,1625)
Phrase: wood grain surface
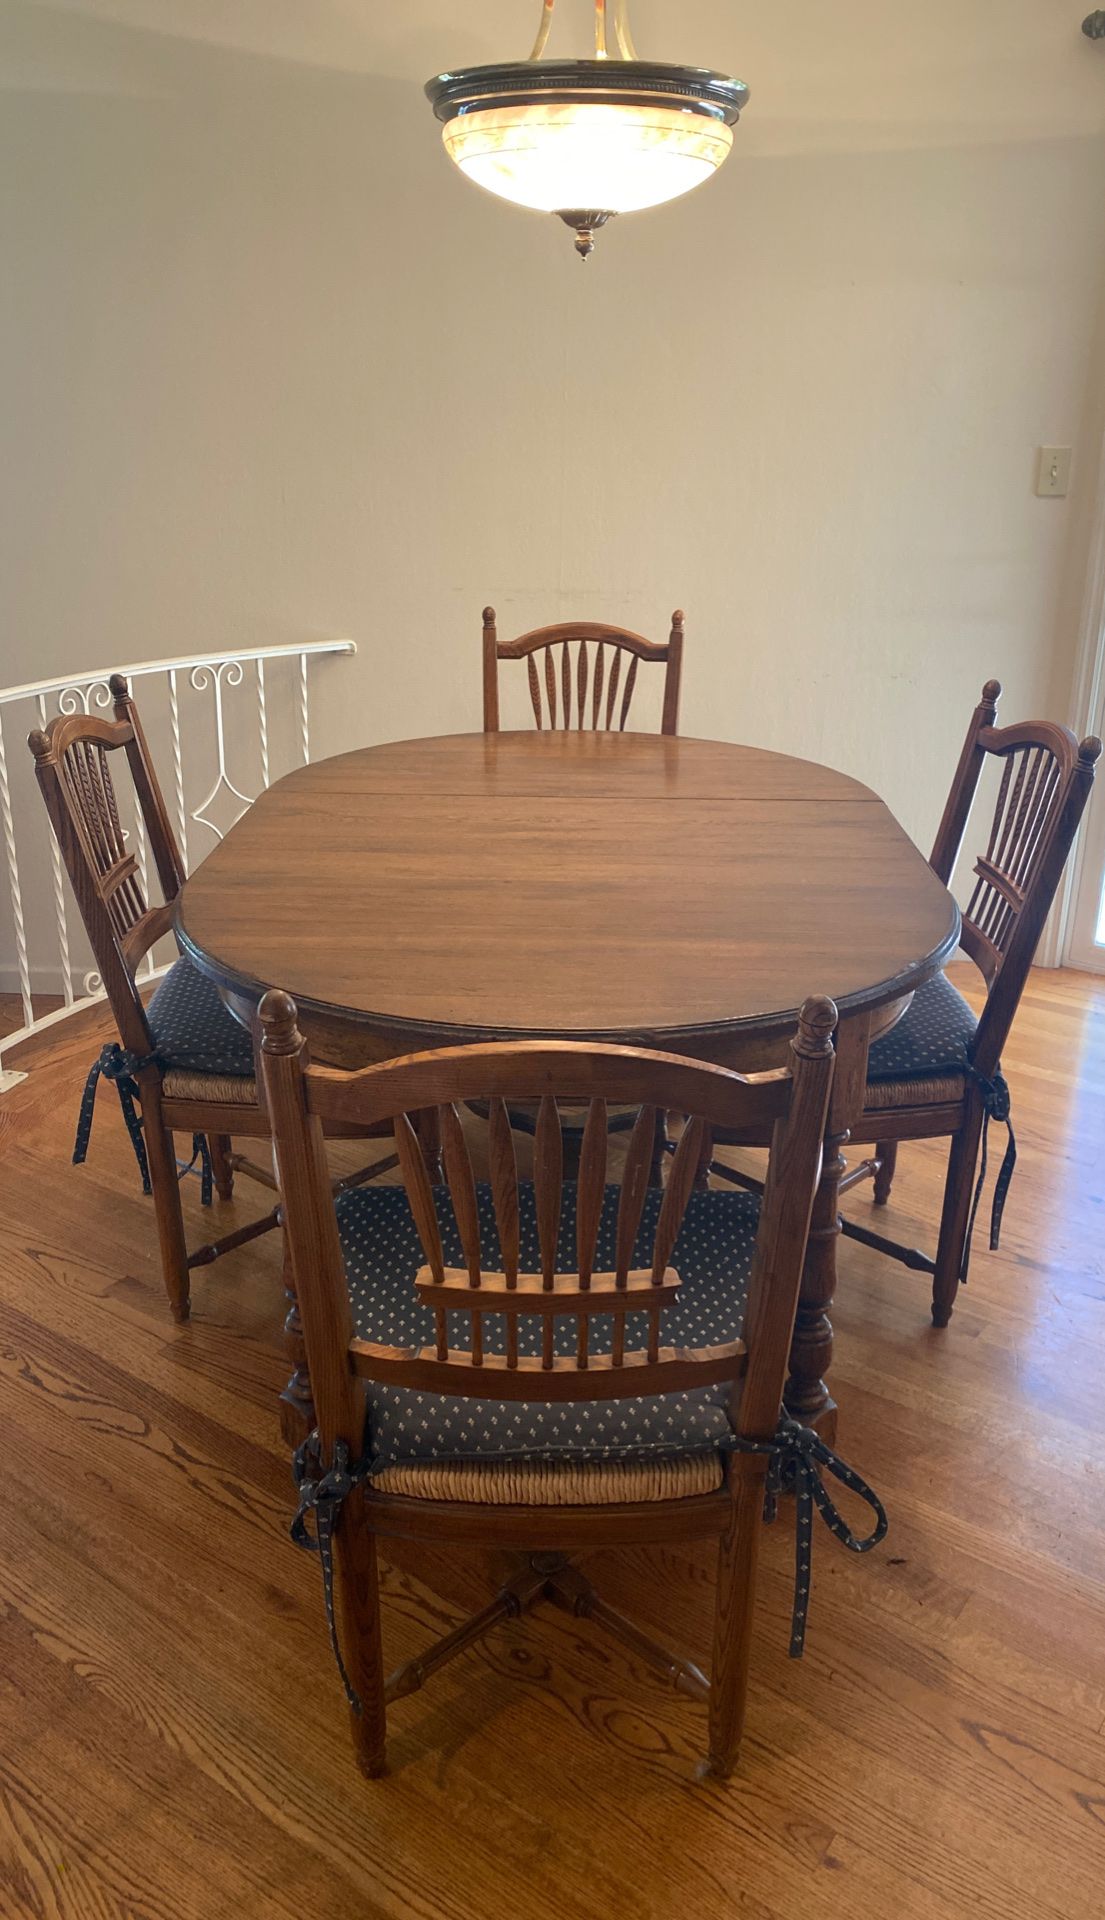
(173,1742)
(567,883)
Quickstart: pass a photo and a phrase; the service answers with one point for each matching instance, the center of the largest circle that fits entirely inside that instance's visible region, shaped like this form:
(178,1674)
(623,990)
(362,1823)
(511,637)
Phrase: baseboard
(49,980)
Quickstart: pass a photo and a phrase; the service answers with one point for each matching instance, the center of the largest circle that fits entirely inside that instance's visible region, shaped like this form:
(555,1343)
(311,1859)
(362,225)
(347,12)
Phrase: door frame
(1080,902)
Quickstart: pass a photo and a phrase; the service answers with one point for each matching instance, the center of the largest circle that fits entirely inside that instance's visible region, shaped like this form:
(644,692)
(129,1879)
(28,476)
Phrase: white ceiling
(853,73)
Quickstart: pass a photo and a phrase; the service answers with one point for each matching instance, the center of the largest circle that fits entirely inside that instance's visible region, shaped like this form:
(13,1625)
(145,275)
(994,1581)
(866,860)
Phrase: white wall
(271,369)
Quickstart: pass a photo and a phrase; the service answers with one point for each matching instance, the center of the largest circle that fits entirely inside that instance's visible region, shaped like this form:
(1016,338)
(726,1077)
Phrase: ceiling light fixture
(586,139)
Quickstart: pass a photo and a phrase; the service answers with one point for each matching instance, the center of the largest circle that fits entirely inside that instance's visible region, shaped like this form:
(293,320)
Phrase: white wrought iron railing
(214,729)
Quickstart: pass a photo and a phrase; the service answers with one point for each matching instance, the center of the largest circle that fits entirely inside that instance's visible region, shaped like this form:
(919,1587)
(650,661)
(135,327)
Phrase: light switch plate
(1053,473)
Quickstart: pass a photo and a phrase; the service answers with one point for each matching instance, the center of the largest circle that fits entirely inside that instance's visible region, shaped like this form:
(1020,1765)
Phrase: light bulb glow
(553,156)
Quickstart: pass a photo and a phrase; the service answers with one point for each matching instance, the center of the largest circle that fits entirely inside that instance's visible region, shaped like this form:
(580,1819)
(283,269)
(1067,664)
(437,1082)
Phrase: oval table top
(682,892)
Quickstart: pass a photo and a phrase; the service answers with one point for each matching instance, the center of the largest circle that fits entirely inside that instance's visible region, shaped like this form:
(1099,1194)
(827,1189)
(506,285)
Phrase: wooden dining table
(658,891)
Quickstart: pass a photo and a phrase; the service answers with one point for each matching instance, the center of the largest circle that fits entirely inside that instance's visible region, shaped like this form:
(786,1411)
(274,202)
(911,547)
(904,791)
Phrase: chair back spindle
(575,675)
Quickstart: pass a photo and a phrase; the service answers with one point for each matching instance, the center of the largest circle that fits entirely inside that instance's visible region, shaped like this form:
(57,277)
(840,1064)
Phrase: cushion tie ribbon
(122,1067)
(118,1064)
(324,1495)
(795,1456)
(996,1105)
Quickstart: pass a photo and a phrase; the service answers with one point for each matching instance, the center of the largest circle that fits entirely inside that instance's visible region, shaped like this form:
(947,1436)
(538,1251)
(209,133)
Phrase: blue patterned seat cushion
(932,1036)
(712,1256)
(194,1029)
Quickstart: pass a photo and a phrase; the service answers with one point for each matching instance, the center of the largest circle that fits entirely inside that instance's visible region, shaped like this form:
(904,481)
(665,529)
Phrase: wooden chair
(938,1071)
(580,684)
(184,1058)
(526,1428)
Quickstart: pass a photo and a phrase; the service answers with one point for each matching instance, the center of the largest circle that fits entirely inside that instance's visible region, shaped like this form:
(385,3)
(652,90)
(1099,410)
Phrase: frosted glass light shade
(556,156)
(587,139)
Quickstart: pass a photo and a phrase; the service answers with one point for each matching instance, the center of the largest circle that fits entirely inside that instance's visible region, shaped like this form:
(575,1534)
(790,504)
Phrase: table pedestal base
(297,1406)
(806,1396)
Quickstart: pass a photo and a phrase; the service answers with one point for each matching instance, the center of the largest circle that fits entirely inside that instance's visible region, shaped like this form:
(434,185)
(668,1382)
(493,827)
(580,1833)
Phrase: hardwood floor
(11,1010)
(173,1741)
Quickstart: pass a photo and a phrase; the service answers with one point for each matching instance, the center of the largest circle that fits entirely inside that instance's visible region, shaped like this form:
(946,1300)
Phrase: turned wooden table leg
(221,1165)
(297,1405)
(702,1171)
(811,1353)
(429,1138)
(806,1395)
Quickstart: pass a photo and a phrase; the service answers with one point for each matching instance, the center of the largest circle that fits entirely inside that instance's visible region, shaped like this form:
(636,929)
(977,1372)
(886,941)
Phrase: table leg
(811,1352)
(806,1395)
(297,1403)
(429,1138)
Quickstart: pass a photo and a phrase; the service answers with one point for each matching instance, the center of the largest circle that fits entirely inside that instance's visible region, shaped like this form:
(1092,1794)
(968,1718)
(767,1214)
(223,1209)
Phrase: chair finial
(120,693)
(991,692)
(279,1018)
(489,616)
(1090,750)
(38,743)
(678,618)
(816,1026)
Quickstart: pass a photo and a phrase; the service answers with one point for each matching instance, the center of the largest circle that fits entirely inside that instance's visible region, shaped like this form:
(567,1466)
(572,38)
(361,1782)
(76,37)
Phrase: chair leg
(953,1220)
(738,1552)
(362,1641)
(886,1153)
(219,1144)
(166,1200)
